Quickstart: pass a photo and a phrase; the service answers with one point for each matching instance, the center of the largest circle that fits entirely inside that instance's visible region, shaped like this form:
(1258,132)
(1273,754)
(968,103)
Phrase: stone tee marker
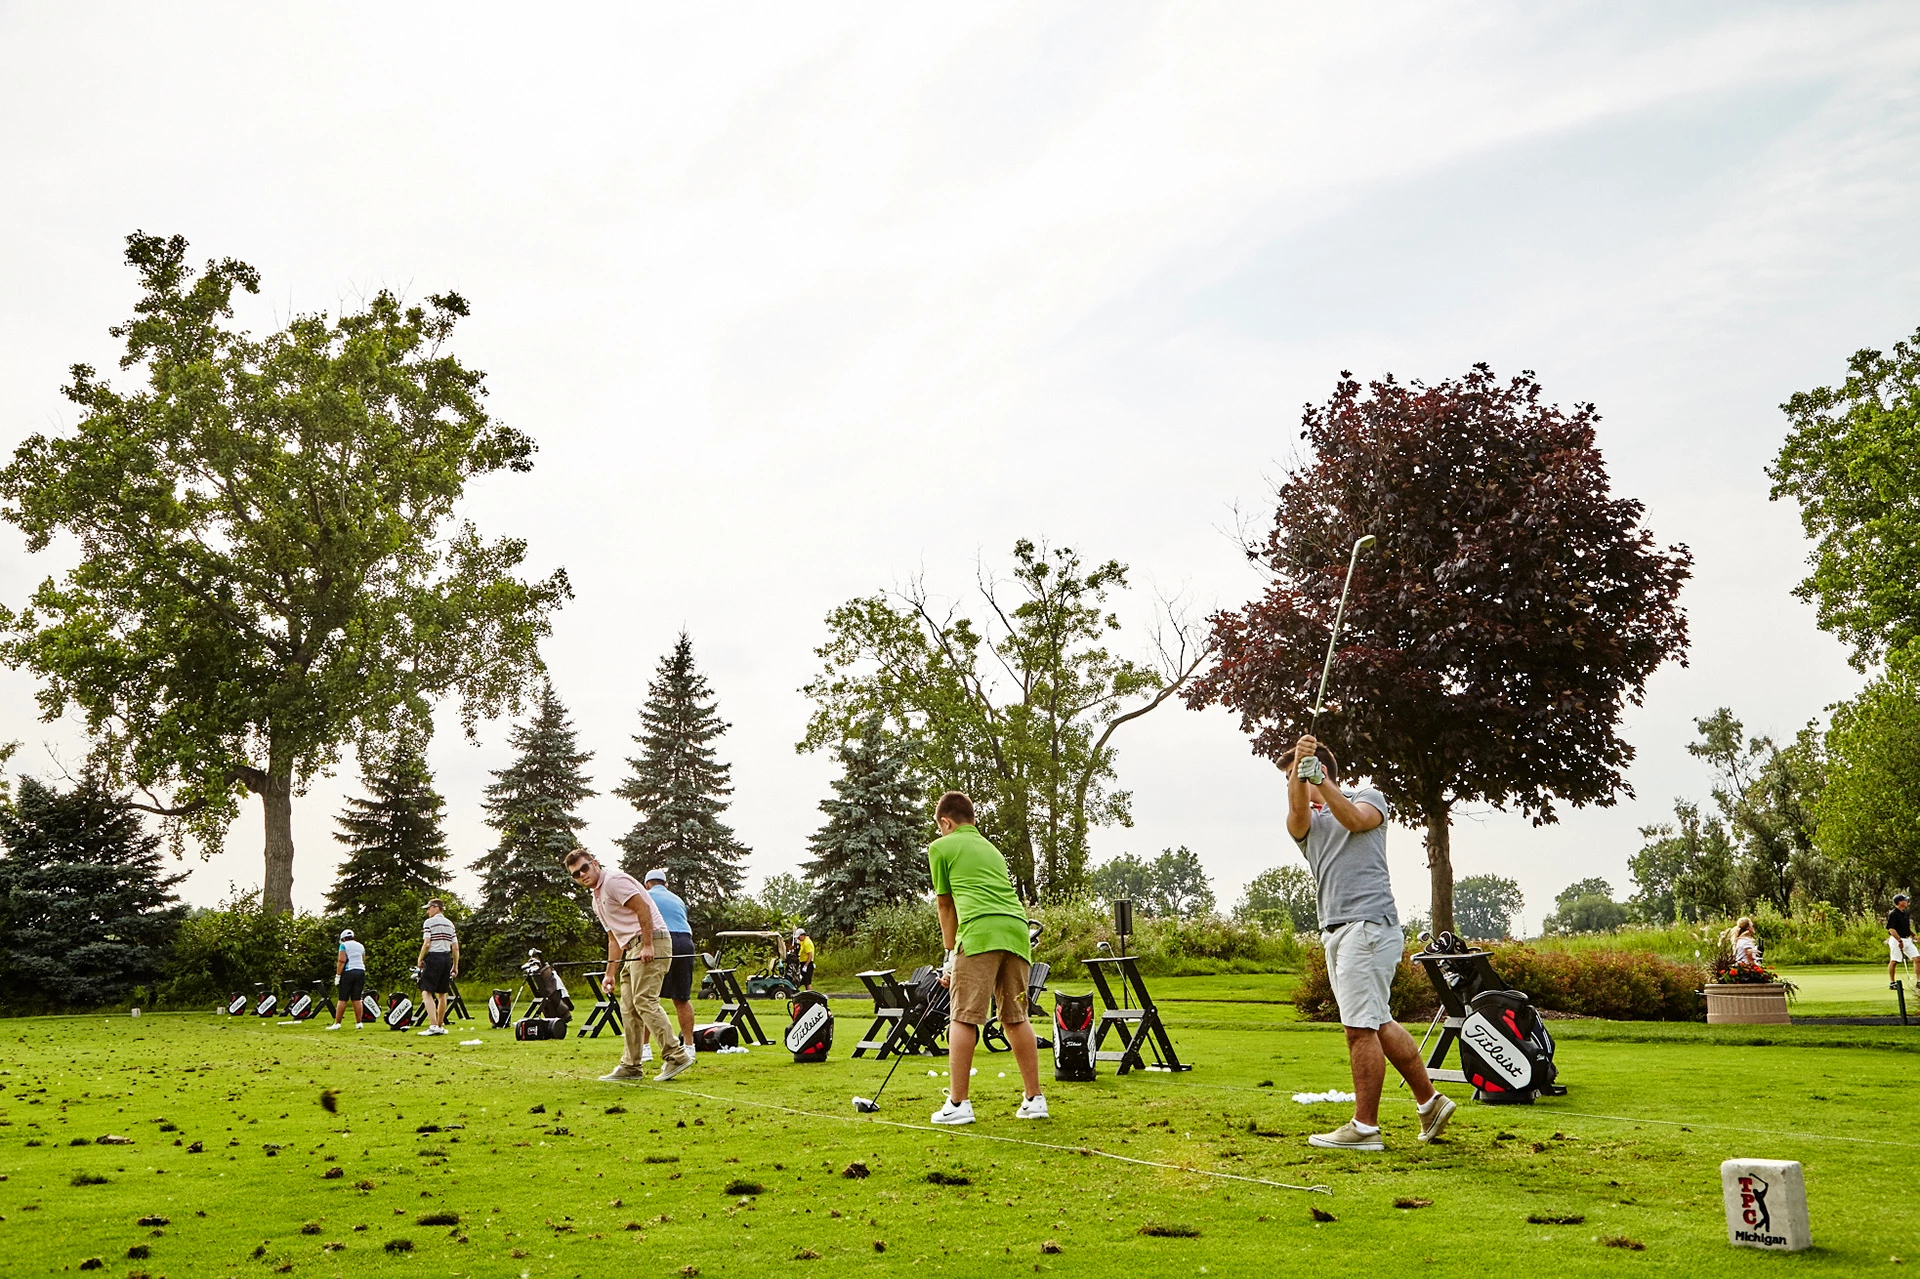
(1766,1204)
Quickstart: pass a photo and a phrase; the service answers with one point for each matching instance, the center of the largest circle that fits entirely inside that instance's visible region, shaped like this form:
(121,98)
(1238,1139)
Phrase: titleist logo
(1497,1050)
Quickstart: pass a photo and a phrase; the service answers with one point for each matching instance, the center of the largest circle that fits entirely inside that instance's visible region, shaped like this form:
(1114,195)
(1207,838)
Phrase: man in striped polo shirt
(439,964)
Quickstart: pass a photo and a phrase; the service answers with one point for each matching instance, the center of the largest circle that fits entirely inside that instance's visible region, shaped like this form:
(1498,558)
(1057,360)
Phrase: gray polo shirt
(1350,868)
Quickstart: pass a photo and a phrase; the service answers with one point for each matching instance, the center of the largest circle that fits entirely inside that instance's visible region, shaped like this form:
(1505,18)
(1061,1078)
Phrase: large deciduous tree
(268,562)
(1019,712)
(680,785)
(872,849)
(1850,462)
(1868,809)
(1510,610)
(1486,906)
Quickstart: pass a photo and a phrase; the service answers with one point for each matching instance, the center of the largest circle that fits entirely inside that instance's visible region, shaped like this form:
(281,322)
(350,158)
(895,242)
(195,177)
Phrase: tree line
(271,572)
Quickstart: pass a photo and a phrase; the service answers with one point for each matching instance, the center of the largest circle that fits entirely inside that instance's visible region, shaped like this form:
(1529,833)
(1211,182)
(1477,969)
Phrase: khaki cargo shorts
(994,975)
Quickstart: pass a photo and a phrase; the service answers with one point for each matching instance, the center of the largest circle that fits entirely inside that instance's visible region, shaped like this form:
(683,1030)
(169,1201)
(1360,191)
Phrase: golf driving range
(509,1159)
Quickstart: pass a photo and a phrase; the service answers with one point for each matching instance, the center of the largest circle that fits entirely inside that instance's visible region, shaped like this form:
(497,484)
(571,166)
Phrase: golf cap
(346,934)
(1900,897)
(653,875)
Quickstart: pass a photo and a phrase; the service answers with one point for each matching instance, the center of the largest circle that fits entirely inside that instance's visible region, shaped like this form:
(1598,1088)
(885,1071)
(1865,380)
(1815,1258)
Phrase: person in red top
(639,953)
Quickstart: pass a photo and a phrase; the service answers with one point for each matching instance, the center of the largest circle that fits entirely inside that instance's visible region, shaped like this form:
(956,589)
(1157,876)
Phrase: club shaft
(1333,640)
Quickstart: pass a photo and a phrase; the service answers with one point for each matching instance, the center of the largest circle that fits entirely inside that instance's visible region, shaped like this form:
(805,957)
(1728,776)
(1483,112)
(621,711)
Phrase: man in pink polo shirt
(639,953)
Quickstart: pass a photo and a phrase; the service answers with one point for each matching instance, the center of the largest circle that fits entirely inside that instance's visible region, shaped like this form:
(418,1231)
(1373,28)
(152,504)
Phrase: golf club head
(1104,948)
(1364,542)
(866,1105)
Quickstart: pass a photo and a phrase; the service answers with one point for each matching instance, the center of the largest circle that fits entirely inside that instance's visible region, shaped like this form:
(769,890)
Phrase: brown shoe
(1432,1125)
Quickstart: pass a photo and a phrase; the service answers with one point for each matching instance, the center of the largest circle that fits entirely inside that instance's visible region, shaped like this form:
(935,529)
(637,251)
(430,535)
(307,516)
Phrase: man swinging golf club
(1344,838)
(984,928)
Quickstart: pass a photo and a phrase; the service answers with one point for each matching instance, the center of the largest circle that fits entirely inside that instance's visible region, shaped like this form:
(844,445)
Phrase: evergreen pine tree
(679,787)
(526,897)
(86,912)
(398,848)
(872,851)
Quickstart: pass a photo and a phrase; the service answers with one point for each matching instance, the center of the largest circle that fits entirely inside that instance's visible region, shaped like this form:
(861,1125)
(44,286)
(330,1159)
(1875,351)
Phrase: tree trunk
(1440,870)
(276,798)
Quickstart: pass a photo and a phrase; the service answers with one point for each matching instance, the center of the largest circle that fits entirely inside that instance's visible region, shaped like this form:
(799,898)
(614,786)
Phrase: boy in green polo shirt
(984,928)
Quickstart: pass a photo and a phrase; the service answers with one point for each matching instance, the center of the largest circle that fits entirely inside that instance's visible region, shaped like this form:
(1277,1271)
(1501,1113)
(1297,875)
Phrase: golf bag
(370,1007)
(1073,1038)
(1505,1050)
(714,1036)
(552,1006)
(500,1009)
(268,1005)
(811,1034)
(305,1003)
(399,1014)
(237,1004)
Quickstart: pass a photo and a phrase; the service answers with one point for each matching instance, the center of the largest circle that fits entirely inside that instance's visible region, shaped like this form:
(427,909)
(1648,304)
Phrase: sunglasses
(580,871)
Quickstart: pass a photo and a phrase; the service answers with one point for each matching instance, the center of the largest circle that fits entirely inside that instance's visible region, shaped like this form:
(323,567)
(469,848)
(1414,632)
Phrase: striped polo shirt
(438,933)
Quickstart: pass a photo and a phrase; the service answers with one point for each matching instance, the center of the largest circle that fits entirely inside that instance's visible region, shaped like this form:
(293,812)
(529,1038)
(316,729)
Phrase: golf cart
(780,979)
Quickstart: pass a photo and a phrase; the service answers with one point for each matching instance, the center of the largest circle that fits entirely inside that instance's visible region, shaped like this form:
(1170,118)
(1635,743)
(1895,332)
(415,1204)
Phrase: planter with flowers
(1745,992)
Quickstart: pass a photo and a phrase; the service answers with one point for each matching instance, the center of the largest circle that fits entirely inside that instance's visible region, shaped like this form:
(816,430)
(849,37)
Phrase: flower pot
(1747,1004)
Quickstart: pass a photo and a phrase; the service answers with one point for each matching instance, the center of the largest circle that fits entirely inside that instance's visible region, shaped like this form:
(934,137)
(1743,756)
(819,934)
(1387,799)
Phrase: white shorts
(1901,949)
(1361,960)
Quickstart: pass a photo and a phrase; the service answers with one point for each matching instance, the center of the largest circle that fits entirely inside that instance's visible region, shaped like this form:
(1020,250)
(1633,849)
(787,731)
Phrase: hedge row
(1618,985)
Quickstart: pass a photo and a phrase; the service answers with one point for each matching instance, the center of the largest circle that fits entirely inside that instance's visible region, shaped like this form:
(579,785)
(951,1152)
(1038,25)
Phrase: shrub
(240,943)
(1619,985)
(1819,933)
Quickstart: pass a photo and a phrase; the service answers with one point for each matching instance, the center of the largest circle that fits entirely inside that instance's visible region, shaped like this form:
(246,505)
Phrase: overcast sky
(800,301)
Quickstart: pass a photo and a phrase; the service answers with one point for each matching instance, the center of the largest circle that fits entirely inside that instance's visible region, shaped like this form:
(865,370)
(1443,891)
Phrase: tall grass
(1817,934)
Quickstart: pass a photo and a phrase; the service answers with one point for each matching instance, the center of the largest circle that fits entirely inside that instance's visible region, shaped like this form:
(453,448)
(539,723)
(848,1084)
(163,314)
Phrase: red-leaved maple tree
(1509,611)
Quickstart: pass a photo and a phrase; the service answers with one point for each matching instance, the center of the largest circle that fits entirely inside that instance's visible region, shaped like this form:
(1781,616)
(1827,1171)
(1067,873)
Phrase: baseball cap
(1900,897)
(346,934)
(659,874)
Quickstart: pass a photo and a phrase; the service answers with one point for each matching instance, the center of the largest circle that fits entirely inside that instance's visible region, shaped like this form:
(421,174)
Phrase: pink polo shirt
(616,916)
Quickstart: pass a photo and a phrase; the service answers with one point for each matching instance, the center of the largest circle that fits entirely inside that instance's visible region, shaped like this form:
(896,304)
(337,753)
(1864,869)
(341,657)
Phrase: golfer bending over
(984,928)
(639,953)
(1344,838)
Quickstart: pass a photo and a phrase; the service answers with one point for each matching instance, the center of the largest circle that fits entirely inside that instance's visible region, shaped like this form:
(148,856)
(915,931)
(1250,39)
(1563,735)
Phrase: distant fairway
(546,1170)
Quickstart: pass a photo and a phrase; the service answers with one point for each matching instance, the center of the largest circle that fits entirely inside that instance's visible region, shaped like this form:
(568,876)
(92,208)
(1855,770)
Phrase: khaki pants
(640,1001)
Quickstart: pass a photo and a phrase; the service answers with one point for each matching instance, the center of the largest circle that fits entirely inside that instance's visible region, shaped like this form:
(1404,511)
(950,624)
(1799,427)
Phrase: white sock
(1426,1107)
(1365,1130)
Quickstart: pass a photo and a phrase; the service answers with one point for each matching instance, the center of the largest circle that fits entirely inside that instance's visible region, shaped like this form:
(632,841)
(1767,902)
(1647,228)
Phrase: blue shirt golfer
(678,985)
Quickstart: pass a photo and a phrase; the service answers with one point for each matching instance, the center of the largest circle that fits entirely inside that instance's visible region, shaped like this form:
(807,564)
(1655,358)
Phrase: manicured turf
(425,1126)
(1847,990)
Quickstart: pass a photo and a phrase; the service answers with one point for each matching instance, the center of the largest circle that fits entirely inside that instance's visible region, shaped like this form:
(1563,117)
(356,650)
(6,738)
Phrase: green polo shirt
(972,871)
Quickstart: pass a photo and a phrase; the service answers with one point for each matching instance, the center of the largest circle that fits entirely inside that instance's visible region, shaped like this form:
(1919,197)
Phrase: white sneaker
(670,1068)
(1032,1108)
(335,1026)
(439,1030)
(1347,1137)
(427,1031)
(952,1114)
(646,1053)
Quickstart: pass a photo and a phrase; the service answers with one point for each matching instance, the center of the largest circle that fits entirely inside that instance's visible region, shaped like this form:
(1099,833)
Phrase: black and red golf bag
(1505,1050)
(552,1005)
(1073,1038)
(811,1034)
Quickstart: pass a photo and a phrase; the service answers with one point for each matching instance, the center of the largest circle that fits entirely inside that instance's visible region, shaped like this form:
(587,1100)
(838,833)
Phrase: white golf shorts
(1361,960)
(1901,949)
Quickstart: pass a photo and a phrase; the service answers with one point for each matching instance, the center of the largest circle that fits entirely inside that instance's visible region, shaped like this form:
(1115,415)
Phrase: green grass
(1847,990)
(1634,1150)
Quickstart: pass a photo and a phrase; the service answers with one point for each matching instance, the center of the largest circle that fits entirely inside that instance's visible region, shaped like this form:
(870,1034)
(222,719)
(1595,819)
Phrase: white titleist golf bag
(811,1034)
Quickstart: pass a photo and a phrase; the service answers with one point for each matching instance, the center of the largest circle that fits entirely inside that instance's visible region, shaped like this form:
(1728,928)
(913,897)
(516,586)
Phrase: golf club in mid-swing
(1333,640)
(871,1105)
